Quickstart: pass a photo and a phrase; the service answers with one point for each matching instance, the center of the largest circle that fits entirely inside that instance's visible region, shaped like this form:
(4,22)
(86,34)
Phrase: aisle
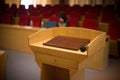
(22,66)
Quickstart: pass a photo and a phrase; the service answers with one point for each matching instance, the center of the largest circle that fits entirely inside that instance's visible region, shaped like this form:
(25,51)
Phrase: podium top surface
(66,42)
(96,38)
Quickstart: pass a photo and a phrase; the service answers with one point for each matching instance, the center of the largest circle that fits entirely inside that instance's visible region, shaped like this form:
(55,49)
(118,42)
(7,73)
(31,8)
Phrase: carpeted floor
(22,66)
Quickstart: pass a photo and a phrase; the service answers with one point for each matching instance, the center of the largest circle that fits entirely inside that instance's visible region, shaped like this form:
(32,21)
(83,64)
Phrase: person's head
(63,17)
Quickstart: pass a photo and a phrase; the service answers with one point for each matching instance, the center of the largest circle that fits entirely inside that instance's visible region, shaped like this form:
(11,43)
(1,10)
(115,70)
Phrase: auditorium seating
(73,22)
(54,18)
(24,20)
(21,6)
(51,13)
(21,12)
(91,16)
(22,9)
(114,30)
(108,16)
(46,14)
(6,19)
(38,6)
(76,6)
(36,20)
(13,6)
(56,12)
(90,23)
(75,14)
(48,6)
(34,12)
(13,9)
(31,7)
(3,8)
(114,34)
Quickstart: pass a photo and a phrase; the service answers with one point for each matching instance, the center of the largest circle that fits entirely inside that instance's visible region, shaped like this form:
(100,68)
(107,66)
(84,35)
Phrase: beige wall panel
(10,2)
(55,2)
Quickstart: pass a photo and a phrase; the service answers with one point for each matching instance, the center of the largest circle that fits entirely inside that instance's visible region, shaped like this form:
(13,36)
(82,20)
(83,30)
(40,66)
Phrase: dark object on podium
(83,48)
(67,42)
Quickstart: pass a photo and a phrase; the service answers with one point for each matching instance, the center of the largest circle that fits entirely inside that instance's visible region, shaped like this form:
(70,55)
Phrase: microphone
(83,48)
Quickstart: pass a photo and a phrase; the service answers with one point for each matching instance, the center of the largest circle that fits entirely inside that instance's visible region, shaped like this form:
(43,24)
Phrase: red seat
(39,7)
(24,20)
(73,22)
(108,16)
(75,14)
(46,15)
(56,12)
(31,7)
(6,19)
(90,23)
(54,18)
(36,20)
(21,6)
(75,6)
(114,30)
(48,7)
(22,10)
(91,15)
(14,6)
(12,11)
(34,12)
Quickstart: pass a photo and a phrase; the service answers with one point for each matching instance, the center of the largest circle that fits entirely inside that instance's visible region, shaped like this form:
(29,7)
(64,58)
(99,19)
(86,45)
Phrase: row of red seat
(76,12)
(89,12)
(113,29)
(90,21)
(48,10)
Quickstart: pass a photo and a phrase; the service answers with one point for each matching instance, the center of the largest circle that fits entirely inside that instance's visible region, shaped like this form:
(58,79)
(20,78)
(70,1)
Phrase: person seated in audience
(63,21)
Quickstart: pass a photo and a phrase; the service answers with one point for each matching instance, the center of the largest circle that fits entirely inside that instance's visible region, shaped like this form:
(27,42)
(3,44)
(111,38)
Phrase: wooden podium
(58,63)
